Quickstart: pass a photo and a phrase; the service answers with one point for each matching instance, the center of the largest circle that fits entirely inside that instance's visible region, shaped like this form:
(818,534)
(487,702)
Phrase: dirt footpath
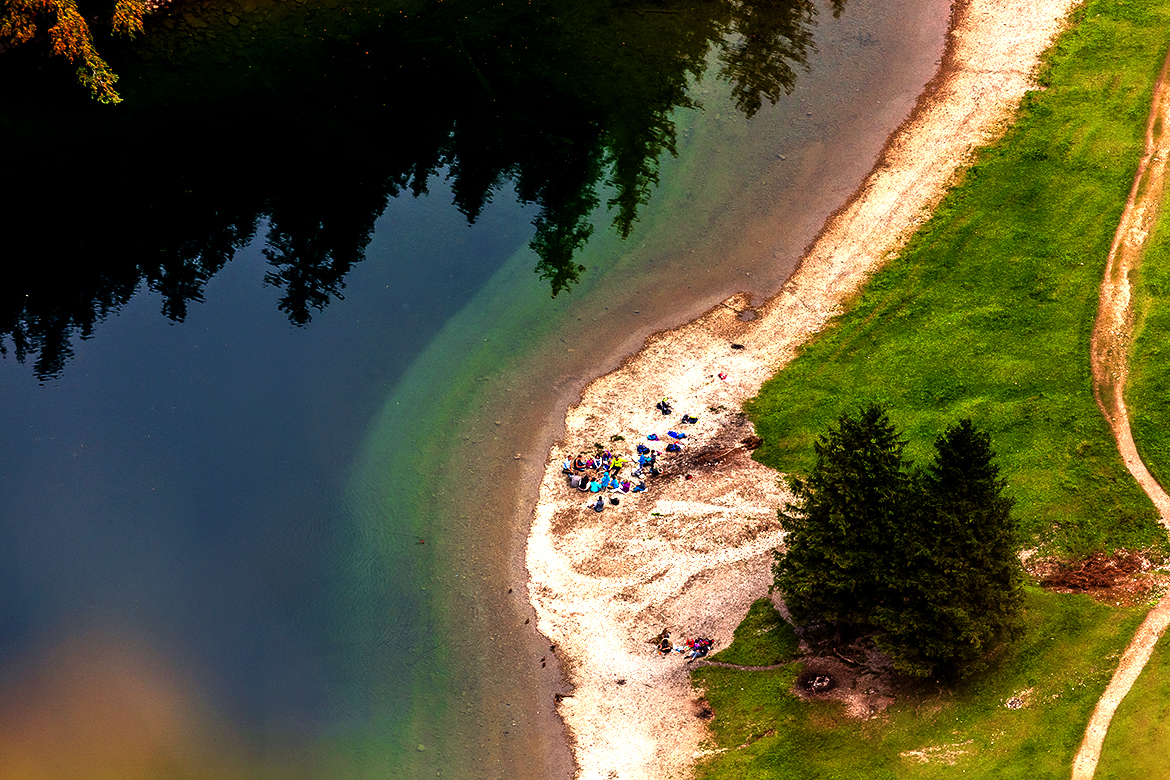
(1112,338)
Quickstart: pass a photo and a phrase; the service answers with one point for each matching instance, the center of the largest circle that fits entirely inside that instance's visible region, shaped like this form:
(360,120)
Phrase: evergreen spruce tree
(846,516)
(925,561)
(962,584)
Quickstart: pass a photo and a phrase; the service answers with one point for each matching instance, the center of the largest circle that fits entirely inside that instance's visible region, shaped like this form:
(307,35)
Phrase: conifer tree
(846,516)
(962,583)
(923,561)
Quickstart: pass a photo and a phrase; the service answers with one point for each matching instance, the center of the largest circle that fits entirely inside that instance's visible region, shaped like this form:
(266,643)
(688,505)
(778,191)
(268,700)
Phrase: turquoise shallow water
(460,444)
(313,538)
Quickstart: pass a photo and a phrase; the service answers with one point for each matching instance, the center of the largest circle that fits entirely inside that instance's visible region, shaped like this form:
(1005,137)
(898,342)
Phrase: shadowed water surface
(299,549)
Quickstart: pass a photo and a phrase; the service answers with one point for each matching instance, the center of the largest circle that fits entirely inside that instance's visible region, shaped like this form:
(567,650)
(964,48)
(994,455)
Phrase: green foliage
(845,523)
(960,595)
(987,312)
(763,638)
(1059,667)
(64,23)
(925,559)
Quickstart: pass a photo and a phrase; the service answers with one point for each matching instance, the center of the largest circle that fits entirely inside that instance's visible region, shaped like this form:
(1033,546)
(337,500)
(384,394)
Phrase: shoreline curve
(692,552)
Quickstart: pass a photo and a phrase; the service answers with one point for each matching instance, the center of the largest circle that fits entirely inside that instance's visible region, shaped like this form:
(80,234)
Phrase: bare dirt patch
(1123,578)
(865,688)
(947,754)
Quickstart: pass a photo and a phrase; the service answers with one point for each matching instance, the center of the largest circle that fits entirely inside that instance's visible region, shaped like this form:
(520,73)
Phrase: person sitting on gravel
(699,648)
(657,639)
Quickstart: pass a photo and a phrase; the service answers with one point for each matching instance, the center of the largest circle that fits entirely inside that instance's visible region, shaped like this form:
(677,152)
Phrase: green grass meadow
(987,314)
(1138,740)
(1139,736)
(763,638)
(1149,362)
(988,311)
(1059,668)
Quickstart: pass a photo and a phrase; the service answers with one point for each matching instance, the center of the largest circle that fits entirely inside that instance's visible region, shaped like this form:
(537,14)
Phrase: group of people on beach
(697,647)
(602,472)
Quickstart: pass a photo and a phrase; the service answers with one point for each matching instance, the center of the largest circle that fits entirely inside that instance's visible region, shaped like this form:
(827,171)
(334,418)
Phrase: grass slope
(1139,736)
(763,638)
(987,312)
(1146,397)
(1059,668)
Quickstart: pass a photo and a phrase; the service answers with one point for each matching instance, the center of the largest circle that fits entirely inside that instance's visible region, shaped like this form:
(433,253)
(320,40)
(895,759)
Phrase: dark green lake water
(301,548)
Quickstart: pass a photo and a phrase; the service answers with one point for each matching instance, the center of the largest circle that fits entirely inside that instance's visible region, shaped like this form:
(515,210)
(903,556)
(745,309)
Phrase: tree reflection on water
(308,119)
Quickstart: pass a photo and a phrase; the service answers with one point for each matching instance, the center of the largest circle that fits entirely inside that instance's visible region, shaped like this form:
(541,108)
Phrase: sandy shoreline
(691,555)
